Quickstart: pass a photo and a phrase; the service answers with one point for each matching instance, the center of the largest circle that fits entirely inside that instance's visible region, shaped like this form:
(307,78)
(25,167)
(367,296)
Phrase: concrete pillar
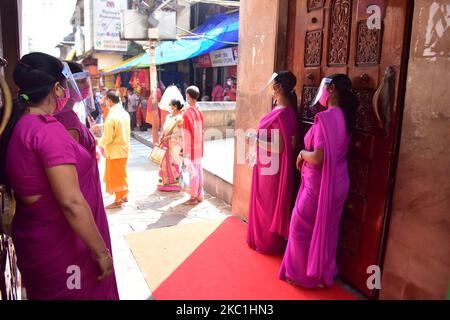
(262,33)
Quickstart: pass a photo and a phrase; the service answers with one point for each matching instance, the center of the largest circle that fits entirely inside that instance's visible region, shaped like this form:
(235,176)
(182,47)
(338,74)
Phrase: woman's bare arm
(74,134)
(64,183)
(313,157)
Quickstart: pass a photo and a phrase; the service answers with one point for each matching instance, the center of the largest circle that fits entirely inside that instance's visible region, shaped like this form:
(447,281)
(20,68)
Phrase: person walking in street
(172,139)
(103,105)
(273,182)
(193,141)
(60,231)
(132,105)
(116,141)
(310,257)
(144,105)
(139,112)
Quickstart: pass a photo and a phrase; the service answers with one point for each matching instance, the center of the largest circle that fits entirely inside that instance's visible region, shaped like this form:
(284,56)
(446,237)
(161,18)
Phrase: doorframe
(397,135)
(282,61)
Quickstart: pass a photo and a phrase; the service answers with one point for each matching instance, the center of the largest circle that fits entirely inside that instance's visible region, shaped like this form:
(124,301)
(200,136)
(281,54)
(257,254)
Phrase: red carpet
(223,267)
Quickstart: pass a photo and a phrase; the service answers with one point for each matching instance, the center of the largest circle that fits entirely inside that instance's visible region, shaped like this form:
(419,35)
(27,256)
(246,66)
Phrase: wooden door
(333,36)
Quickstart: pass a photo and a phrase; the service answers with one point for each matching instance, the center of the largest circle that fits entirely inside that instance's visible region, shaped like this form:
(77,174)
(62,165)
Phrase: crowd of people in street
(59,129)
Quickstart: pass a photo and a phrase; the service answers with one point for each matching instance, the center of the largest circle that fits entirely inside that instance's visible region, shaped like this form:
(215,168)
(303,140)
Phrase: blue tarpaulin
(217,32)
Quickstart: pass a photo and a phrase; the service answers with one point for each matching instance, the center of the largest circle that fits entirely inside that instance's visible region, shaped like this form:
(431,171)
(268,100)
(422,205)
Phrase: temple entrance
(348,36)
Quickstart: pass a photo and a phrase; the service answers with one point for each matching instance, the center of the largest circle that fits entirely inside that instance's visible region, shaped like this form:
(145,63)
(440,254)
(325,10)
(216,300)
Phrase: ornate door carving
(333,36)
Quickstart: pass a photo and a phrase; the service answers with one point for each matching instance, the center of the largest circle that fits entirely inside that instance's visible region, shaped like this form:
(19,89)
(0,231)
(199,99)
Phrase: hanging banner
(203,61)
(219,58)
(107,25)
(235,54)
(222,58)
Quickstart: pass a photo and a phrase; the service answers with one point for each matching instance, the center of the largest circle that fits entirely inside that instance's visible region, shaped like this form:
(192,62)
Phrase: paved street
(148,209)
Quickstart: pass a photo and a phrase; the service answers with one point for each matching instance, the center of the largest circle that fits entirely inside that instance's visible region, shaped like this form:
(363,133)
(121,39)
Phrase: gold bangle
(106,254)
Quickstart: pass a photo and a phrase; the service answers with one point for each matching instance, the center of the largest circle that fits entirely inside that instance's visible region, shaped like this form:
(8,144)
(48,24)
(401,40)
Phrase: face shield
(71,83)
(268,84)
(322,94)
(83,90)
(79,84)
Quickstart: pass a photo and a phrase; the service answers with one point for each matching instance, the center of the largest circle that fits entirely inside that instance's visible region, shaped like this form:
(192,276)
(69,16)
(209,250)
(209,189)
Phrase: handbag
(158,153)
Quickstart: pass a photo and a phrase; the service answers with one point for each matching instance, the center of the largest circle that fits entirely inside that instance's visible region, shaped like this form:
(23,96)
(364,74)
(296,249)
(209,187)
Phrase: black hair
(75,67)
(35,75)
(176,103)
(193,92)
(112,95)
(288,81)
(348,101)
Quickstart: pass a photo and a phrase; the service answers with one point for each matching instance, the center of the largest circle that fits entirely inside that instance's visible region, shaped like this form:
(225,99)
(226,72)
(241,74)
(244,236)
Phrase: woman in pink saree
(310,257)
(274,180)
(60,230)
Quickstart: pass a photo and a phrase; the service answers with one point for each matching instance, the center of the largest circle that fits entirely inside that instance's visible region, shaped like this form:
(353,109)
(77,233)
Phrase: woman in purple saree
(274,180)
(310,257)
(60,231)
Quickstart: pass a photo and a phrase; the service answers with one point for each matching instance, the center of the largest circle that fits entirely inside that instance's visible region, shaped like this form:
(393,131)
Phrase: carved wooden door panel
(339,36)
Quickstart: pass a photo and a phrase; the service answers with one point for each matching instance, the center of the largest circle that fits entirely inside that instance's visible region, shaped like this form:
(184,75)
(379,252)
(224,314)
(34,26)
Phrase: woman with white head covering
(171,93)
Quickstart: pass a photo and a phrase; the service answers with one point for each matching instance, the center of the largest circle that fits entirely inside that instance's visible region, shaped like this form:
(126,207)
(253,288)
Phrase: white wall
(106,60)
(183,16)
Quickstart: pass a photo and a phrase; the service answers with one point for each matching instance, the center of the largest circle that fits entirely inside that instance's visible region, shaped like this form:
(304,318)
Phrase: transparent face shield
(269,83)
(72,84)
(80,88)
(322,93)
(83,90)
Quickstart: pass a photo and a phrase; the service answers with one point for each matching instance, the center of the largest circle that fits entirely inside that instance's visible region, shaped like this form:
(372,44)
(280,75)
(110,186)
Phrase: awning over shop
(217,32)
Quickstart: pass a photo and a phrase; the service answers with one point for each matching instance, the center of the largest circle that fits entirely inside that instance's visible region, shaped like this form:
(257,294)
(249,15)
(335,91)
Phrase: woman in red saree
(274,180)
(310,257)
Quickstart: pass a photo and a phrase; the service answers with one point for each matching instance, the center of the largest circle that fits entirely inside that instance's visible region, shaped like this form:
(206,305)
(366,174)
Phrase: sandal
(190,202)
(114,205)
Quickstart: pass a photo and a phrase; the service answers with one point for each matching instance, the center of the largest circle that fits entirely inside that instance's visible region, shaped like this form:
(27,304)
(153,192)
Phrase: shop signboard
(219,58)
(107,25)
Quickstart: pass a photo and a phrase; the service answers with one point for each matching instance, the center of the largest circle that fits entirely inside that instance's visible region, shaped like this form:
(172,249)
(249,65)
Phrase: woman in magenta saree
(310,257)
(60,230)
(273,191)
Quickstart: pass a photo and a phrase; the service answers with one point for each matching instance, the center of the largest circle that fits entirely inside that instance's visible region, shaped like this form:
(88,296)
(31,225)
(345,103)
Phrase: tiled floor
(147,209)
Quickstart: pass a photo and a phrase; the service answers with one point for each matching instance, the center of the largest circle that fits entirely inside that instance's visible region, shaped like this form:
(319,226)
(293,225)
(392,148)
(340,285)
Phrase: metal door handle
(384,92)
(7,99)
